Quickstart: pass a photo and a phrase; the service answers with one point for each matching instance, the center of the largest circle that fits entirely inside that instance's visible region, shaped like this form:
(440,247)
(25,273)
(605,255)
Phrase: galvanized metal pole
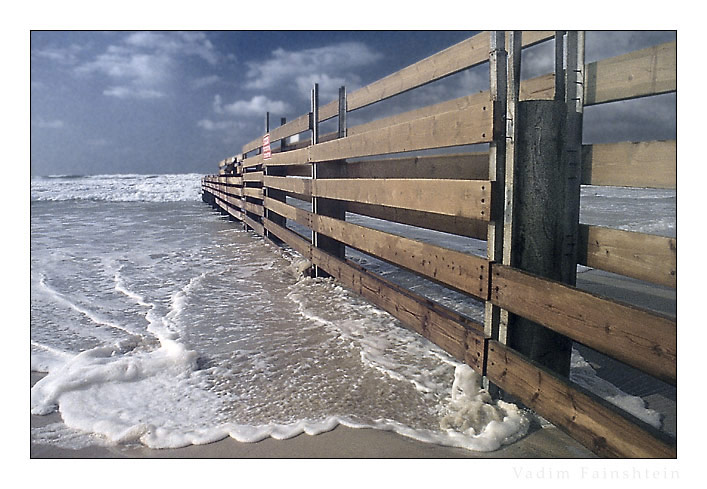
(497,168)
(559,65)
(342,112)
(573,152)
(314,128)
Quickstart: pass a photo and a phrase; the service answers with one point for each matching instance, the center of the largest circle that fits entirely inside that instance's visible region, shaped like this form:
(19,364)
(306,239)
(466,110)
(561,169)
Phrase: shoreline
(339,443)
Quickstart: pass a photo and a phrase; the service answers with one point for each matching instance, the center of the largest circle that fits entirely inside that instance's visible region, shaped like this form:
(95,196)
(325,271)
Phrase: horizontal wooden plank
(461,226)
(254,176)
(471,125)
(255,193)
(465,198)
(588,419)
(650,71)
(427,111)
(234,212)
(254,225)
(638,255)
(289,158)
(634,336)
(296,185)
(468,166)
(462,271)
(253,208)
(650,164)
(539,88)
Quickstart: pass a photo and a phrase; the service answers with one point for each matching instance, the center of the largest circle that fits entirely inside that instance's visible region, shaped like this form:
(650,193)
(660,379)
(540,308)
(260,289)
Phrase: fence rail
(479,195)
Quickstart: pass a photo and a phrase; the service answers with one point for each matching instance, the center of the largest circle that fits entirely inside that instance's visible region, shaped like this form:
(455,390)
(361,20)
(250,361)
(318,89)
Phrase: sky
(180,101)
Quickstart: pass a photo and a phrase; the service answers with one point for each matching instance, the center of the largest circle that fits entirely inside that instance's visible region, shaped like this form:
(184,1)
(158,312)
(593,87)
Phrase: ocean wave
(117,188)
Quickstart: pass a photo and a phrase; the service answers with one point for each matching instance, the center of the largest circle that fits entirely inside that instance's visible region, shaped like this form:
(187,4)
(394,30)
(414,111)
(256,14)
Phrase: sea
(160,322)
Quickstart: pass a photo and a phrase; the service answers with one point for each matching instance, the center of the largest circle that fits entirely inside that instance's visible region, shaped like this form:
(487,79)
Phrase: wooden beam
(634,336)
(650,71)
(643,256)
(467,126)
(650,164)
(255,193)
(468,166)
(301,186)
(588,419)
(427,111)
(254,225)
(461,226)
(465,198)
(255,176)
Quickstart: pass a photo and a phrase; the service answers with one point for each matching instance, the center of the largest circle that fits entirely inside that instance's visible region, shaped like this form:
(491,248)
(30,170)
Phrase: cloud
(330,66)
(205,81)
(143,64)
(41,123)
(257,105)
(132,92)
(209,125)
(65,55)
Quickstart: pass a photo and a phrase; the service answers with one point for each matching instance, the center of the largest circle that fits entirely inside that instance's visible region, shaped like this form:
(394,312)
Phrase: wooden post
(539,221)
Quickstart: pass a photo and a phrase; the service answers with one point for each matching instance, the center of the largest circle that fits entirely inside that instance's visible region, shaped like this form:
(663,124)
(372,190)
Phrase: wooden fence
(278,186)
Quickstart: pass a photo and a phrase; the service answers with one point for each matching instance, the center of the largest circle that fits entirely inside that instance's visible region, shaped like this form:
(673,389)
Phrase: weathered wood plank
(539,88)
(253,208)
(638,255)
(634,336)
(650,71)
(427,111)
(301,186)
(466,126)
(585,417)
(464,272)
(650,164)
(255,176)
(254,225)
(465,198)
(255,193)
(289,158)
(468,166)
(461,226)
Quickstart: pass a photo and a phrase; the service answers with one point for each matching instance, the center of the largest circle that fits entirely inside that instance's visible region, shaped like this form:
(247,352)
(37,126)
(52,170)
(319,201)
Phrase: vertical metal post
(314,128)
(497,168)
(573,151)
(559,65)
(513,94)
(342,112)
(267,122)
(283,141)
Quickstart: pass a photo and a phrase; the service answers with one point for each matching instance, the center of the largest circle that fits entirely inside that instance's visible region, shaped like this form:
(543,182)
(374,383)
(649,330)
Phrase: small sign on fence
(267,154)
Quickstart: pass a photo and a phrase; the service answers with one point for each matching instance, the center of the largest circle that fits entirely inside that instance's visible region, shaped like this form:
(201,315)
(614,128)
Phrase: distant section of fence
(526,280)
